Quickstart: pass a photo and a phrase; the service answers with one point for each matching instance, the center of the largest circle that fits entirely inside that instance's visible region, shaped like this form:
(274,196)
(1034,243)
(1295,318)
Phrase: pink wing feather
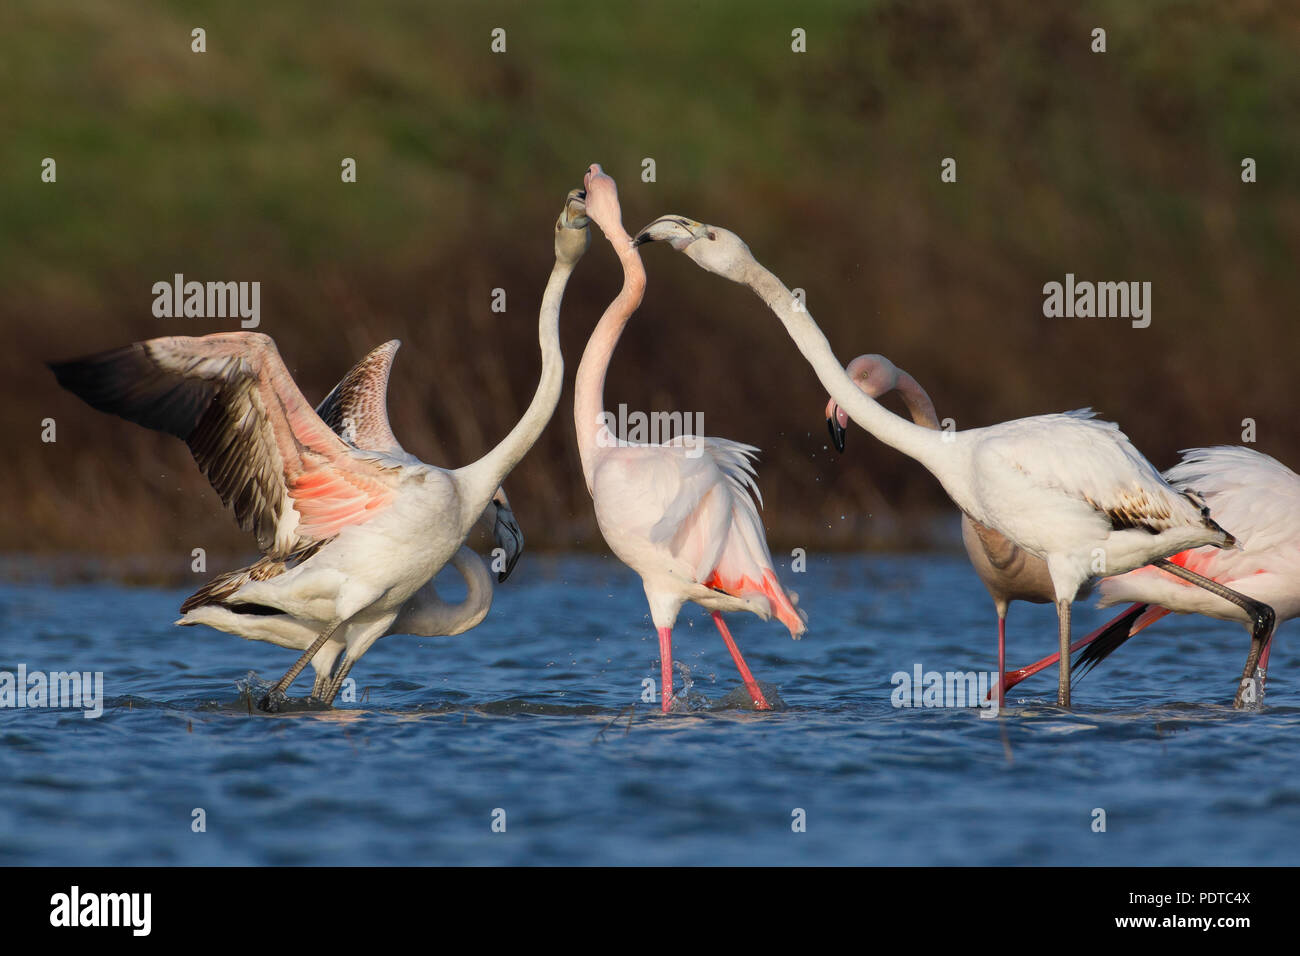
(289,478)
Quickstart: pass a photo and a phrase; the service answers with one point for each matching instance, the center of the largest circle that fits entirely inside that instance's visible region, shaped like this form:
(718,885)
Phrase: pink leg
(1002,659)
(1015,677)
(760,702)
(1262,666)
(666,666)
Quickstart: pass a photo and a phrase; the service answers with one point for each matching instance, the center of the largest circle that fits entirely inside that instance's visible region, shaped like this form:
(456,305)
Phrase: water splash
(688,700)
(253,688)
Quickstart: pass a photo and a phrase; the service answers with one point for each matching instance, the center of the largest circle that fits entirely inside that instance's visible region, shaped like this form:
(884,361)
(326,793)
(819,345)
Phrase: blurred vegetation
(225,165)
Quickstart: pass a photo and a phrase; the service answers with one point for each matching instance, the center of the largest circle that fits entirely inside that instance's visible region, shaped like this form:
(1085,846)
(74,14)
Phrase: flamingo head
(507,534)
(876,376)
(602,200)
(713,248)
(678,231)
(572,237)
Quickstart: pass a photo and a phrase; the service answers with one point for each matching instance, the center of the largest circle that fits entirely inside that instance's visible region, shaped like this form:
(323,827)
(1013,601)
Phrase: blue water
(537,713)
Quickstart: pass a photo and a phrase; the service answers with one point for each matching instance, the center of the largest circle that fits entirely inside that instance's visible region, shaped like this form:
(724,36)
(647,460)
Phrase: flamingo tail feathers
(1115,634)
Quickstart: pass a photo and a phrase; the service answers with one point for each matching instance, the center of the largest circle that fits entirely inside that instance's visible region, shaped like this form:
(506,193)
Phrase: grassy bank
(226,165)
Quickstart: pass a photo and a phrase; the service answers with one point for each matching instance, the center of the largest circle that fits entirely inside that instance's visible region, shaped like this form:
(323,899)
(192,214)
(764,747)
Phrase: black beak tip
(510,566)
(642,239)
(837,434)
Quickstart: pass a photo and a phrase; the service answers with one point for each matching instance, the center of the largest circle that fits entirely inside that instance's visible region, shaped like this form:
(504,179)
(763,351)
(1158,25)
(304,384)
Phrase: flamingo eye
(712,235)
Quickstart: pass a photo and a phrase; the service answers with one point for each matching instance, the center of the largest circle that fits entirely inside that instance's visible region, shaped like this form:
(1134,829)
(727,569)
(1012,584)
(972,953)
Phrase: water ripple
(537,721)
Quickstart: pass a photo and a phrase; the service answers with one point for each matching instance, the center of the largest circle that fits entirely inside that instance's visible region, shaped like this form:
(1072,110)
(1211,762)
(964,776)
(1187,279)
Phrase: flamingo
(357,410)
(1009,573)
(1069,488)
(681,513)
(1260,497)
(348,535)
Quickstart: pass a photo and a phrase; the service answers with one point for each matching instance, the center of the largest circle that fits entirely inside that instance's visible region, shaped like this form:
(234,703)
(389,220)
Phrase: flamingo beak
(677,231)
(574,215)
(507,534)
(837,424)
(838,432)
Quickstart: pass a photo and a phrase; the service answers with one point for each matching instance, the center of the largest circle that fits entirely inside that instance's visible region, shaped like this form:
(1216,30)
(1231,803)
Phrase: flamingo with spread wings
(348,535)
(357,410)
(681,514)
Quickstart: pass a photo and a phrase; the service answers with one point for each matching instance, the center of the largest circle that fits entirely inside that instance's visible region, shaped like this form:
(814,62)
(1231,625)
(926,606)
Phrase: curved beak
(679,231)
(838,432)
(507,534)
(574,215)
(837,423)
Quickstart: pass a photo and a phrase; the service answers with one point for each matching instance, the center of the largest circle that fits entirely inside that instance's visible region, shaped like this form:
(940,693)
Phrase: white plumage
(1066,487)
(682,514)
(349,535)
(1259,498)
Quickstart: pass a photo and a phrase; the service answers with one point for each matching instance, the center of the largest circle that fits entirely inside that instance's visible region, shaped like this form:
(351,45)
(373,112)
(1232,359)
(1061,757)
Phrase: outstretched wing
(357,408)
(289,478)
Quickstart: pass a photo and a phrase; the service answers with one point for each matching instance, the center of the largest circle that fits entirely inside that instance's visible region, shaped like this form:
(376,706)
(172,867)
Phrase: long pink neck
(589,386)
(917,401)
